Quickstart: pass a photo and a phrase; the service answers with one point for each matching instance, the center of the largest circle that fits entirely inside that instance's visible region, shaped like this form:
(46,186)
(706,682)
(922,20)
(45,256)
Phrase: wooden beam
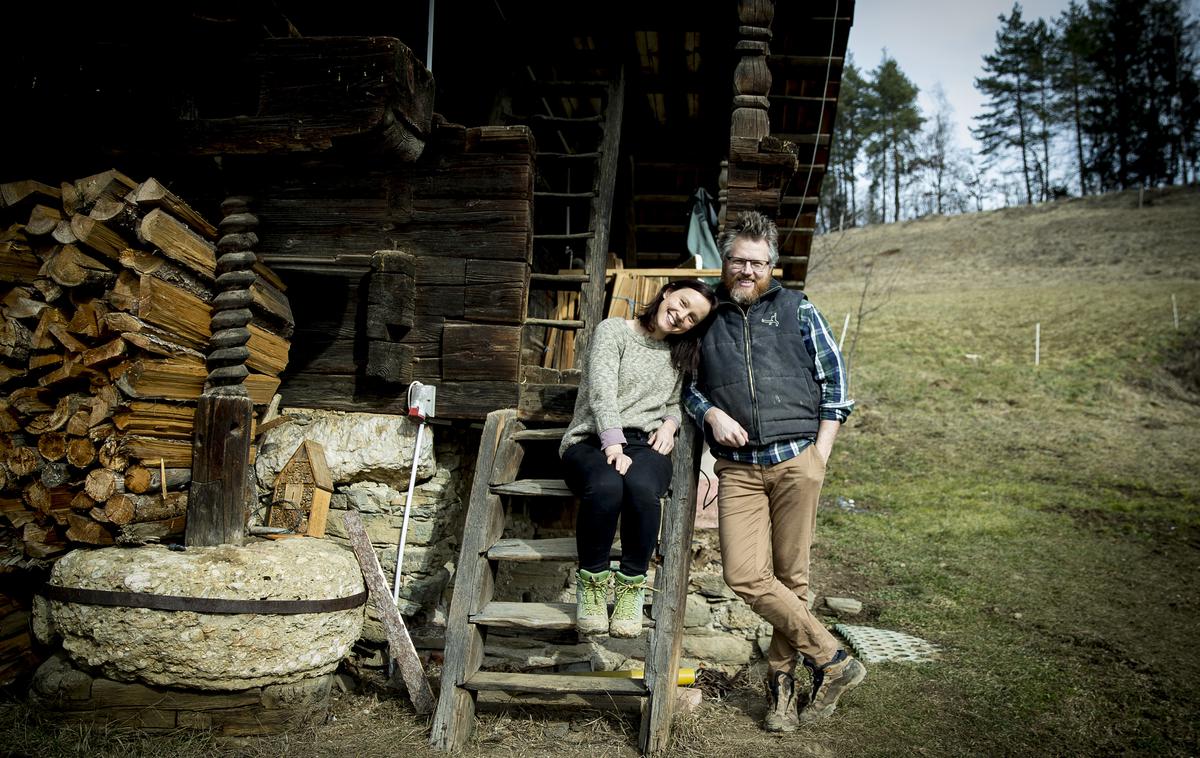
(670,602)
(400,644)
(454,718)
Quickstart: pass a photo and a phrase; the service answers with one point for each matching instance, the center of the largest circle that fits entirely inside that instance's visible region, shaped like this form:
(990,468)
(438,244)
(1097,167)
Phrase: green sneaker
(591,598)
(627,612)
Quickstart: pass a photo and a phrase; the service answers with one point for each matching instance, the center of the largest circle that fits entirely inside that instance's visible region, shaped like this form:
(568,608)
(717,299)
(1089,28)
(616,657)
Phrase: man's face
(746,271)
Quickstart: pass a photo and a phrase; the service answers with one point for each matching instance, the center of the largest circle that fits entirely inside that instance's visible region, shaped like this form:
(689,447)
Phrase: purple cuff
(613,436)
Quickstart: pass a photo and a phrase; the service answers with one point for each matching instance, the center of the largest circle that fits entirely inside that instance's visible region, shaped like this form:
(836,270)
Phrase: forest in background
(1104,97)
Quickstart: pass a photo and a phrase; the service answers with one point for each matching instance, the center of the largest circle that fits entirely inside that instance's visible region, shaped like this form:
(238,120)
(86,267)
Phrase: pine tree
(848,138)
(1073,77)
(1008,121)
(893,121)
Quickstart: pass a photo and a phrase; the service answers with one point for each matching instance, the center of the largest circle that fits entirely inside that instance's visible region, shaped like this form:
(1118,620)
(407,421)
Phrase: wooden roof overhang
(754,83)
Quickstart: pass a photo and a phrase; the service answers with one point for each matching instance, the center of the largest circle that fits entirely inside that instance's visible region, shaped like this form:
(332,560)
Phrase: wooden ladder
(473,608)
(575,145)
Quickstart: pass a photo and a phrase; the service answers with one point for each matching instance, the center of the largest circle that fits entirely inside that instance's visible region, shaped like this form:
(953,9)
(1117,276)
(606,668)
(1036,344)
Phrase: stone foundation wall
(721,631)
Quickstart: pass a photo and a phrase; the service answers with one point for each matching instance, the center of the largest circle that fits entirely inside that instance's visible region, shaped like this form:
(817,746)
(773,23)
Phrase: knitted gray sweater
(628,383)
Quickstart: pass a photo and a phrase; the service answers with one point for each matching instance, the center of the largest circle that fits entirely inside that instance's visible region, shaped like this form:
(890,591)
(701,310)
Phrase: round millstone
(210,650)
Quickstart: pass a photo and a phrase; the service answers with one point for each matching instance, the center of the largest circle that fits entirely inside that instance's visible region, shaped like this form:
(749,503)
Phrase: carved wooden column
(751,120)
(221,491)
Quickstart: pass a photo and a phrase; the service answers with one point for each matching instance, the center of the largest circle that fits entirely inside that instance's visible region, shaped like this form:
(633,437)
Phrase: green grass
(1041,523)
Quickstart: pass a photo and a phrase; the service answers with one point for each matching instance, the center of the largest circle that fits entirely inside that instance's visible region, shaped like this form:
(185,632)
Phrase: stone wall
(370,458)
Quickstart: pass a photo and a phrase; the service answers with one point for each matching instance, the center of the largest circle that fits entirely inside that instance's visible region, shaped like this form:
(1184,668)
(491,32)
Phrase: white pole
(429,40)
(412,481)
(845,328)
(1175,312)
(1037,344)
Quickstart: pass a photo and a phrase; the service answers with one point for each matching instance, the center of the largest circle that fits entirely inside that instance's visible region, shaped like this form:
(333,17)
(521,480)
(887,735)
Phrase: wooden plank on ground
(556,684)
(400,645)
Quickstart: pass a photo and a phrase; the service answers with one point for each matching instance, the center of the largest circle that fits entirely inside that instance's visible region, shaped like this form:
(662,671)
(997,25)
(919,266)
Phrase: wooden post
(473,589)
(751,118)
(221,492)
(400,644)
(670,601)
(591,298)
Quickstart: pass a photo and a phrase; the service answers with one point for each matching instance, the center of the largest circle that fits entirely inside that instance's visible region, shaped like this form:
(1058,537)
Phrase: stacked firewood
(105,292)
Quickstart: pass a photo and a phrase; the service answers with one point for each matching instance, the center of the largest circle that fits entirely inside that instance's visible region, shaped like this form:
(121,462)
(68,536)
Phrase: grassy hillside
(1040,523)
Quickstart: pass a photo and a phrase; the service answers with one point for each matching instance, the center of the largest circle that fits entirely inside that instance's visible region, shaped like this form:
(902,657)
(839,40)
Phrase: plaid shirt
(830,374)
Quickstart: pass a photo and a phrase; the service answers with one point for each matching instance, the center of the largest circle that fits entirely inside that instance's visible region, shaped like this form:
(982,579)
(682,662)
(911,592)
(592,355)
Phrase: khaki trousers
(767,518)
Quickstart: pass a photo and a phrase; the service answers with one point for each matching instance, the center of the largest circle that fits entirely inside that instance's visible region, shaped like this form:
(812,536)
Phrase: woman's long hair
(685,348)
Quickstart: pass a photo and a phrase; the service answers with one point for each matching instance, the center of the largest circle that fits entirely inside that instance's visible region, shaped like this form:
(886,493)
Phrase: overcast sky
(938,41)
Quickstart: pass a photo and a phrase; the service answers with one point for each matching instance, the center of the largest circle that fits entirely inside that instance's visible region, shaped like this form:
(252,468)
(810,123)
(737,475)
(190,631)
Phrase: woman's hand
(662,439)
(617,458)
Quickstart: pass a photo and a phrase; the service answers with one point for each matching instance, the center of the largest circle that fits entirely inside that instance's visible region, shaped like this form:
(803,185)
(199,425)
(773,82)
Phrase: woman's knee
(605,489)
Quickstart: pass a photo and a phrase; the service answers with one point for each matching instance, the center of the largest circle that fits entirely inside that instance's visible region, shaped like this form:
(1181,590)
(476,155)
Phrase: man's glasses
(738,264)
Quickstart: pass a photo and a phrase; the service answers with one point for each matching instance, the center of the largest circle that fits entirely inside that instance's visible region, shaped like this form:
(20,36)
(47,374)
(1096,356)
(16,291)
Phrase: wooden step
(545,616)
(554,549)
(797,200)
(549,617)
(552,433)
(555,322)
(550,279)
(550,156)
(566,195)
(533,488)
(561,122)
(571,236)
(556,684)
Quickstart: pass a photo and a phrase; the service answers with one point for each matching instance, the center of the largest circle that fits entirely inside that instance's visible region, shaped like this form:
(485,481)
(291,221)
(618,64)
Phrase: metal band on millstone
(231,307)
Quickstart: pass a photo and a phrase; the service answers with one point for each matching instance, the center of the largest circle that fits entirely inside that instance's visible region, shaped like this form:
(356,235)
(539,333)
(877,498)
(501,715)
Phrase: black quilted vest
(755,367)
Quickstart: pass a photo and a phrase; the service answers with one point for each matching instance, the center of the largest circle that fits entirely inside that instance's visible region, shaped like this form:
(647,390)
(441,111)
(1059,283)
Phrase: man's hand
(662,439)
(826,434)
(725,430)
(617,458)
(824,450)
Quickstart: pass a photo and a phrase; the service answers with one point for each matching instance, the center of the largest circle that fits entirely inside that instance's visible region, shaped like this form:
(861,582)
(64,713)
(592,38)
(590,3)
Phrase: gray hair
(750,225)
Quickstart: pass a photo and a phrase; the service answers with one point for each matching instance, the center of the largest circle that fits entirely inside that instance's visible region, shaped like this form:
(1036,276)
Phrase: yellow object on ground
(685,677)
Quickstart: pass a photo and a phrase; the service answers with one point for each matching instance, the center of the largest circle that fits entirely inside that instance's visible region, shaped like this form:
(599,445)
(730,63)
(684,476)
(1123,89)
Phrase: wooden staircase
(474,609)
(577,130)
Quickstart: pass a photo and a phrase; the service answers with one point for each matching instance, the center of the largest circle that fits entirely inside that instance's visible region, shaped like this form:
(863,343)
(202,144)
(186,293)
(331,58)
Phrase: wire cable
(820,120)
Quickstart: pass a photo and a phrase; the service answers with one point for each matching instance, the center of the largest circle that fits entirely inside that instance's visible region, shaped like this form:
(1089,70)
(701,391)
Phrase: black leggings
(605,495)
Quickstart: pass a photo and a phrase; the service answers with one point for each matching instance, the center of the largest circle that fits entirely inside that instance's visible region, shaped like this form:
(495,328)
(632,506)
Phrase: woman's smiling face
(680,310)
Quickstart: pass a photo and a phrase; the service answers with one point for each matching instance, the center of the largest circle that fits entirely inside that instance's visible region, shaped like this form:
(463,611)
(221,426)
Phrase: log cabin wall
(464,213)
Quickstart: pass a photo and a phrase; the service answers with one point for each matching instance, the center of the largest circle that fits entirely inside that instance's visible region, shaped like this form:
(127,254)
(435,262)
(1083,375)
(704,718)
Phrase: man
(771,395)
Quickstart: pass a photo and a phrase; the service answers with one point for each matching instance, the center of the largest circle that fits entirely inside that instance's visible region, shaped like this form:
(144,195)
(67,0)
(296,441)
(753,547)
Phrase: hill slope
(1042,522)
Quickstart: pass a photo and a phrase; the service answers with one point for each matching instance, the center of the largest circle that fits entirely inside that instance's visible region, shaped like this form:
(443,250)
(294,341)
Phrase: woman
(616,451)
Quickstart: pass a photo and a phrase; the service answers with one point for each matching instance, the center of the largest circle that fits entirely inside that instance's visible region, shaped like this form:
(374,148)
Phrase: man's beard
(741,296)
